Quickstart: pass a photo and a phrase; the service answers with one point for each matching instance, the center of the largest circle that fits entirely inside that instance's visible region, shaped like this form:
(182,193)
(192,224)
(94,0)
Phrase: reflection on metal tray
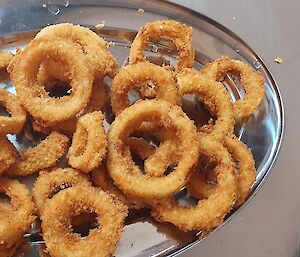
(262,133)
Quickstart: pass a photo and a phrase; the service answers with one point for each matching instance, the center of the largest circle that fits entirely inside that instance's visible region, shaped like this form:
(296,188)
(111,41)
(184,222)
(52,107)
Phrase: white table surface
(269,225)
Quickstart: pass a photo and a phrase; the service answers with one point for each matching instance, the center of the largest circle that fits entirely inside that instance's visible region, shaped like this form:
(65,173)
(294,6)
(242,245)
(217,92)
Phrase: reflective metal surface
(262,133)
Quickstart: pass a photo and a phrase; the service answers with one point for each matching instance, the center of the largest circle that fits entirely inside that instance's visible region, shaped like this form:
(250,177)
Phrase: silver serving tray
(20,20)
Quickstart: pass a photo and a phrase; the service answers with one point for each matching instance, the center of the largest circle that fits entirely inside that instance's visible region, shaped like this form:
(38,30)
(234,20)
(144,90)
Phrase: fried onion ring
(245,173)
(96,103)
(51,72)
(67,127)
(34,96)
(14,123)
(39,127)
(16,221)
(89,143)
(5,59)
(101,179)
(157,159)
(98,97)
(48,183)
(59,211)
(252,81)
(128,176)
(8,154)
(94,47)
(157,131)
(180,34)
(9,252)
(140,147)
(214,97)
(210,212)
(20,247)
(133,76)
(165,155)
(44,155)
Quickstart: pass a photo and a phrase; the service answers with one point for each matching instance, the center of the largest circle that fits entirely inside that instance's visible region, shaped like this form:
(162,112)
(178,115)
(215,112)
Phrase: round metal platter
(263,132)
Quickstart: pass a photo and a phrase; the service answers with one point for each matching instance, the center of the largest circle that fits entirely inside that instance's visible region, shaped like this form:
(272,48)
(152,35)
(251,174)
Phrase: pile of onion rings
(208,212)
(92,162)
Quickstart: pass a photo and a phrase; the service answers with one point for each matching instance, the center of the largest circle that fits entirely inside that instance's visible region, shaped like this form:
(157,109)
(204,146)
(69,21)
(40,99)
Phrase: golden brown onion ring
(51,72)
(133,76)
(128,176)
(96,103)
(245,173)
(34,96)
(214,97)
(165,155)
(210,212)
(89,143)
(14,123)
(140,147)
(45,155)
(43,251)
(252,81)
(5,59)
(156,159)
(98,97)
(157,131)
(101,179)
(180,34)
(39,127)
(49,183)
(57,217)
(8,154)
(16,221)
(94,47)
(66,127)
(13,250)
(8,252)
